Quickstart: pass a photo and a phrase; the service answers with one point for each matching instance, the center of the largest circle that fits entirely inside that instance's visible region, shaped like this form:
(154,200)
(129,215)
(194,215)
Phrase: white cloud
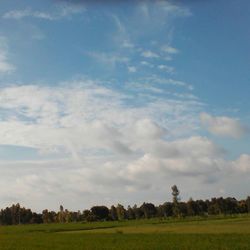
(5,65)
(103,143)
(88,108)
(167,58)
(128,44)
(61,11)
(180,83)
(66,10)
(164,9)
(189,162)
(122,37)
(242,163)
(147,129)
(149,54)
(170,50)
(87,127)
(19,14)
(110,60)
(132,69)
(16,14)
(174,9)
(193,156)
(145,63)
(154,79)
(166,68)
(223,126)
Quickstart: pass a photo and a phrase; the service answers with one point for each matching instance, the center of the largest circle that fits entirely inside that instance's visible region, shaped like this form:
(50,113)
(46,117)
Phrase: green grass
(192,233)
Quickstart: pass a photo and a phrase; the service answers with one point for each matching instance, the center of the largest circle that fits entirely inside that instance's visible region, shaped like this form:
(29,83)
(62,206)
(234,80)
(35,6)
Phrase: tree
(248,204)
(166,209)
(45,216)
(149,210)
(61,215)
(101,212)
(202,207)
(88,215)
(175,194)
(192,208)
(131,214)
(113,213)
(121,212)
(137,212)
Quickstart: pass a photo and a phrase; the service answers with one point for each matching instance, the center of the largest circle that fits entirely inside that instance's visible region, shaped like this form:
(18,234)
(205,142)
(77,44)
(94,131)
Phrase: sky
(115,102)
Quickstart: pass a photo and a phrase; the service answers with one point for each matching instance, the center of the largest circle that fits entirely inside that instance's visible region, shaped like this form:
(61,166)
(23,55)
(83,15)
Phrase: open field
(194,233)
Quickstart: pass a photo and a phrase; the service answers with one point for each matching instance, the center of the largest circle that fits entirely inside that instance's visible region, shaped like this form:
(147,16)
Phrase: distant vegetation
(216,206)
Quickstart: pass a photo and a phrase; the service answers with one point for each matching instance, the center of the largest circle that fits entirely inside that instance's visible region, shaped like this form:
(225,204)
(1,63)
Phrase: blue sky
(107,103)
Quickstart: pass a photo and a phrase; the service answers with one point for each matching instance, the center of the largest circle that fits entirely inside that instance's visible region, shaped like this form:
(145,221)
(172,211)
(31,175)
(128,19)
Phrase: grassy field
(191,233)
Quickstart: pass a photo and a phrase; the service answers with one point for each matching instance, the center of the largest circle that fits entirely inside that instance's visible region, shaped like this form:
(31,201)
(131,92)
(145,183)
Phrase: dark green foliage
(149,210)
(130,213)
(100,212)
(248,204)
(121,212)
(137,212)
(176,207)
(113,213)
(18,215)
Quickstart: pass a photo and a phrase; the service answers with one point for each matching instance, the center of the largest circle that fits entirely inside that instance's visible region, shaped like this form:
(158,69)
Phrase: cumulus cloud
(189,161)
(242,163)
(5,65)
(145,128)
(101,143)
(193,156)
(223,126)
(91,131)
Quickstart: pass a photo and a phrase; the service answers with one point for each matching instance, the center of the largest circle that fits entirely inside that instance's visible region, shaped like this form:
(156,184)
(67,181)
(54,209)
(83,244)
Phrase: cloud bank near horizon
(90,141)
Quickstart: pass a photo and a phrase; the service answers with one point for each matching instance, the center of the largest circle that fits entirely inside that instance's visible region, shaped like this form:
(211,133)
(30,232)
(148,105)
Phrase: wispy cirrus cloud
(108,59)
(166,68)
(61,11)
(158,80)
(173,8)
(19,14)
(167,9)
(87,107)
(5,65)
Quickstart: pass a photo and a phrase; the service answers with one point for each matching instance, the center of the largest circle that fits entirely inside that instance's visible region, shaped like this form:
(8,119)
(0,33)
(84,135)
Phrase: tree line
(216,206)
